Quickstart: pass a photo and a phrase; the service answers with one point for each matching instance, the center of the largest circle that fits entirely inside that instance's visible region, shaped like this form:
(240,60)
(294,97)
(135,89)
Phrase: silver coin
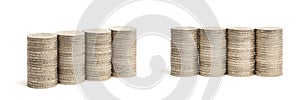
(41,60)
(98,54)
(241,51)
(184,51)
(71,57)
(269,51)
(212,51)
(123,51)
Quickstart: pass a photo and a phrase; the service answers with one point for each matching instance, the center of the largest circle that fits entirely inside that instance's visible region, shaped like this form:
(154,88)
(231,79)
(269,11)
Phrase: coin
(212,51)
(184,51)
(41,60)
(123,51)
(240,51)
(269,51)
(71,57)
(98,54)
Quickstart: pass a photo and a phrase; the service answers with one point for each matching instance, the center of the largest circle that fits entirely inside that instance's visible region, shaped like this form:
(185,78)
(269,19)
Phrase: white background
(21,17)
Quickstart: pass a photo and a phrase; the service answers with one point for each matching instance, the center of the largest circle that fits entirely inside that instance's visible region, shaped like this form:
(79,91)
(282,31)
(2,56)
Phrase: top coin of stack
(123,51)
(184,51)
(98,54)
(41,60)
(269,51)
(212,51)
(241,50)
(71,55)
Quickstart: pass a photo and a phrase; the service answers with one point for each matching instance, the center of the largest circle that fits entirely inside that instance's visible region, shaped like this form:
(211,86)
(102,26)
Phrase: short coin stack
(71,55)
(241,50)
(268,51)
(212,51)
(98,54)
(124,51)
(41,60)
(184,51)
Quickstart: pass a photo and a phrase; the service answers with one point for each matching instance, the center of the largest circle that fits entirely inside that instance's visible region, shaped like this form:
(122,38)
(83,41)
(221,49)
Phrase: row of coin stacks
(236,51)
(70,57)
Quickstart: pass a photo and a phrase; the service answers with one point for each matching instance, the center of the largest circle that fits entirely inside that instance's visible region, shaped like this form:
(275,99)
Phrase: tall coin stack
(184,51)
(212,51)
(98,54)
(241,50)
(269,51)
(123,51)
(71,55)
(41,60)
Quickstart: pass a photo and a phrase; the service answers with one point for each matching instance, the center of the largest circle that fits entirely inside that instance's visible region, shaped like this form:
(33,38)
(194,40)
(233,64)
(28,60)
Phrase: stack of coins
(71,55)
(184,51)
(98,54)
(123,51)
(212,51)
(41,60)
(269,51)
(241,50)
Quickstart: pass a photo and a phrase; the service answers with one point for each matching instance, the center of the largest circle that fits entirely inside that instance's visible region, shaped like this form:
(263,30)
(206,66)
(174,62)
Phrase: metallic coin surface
(123,51)
(71,57)
(41,60)
(184,51)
